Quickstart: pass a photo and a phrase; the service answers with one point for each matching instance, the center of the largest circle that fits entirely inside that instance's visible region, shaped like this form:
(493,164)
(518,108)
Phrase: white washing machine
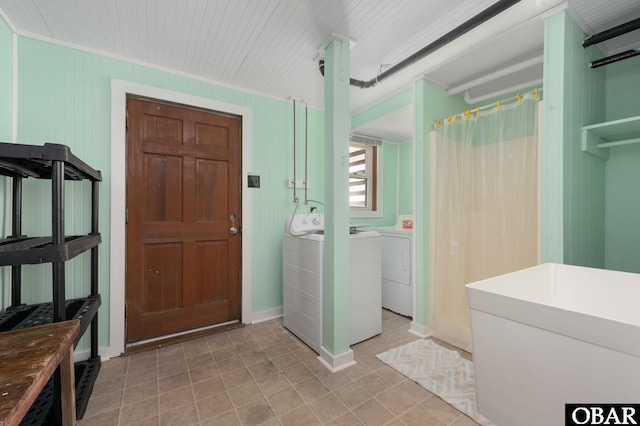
(302,263)
(397,255)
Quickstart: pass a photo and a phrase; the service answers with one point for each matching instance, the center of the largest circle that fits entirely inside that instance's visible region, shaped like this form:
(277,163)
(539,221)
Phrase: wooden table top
(28,357)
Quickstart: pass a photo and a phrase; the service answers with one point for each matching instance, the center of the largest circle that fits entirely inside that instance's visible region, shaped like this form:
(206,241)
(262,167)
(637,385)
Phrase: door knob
(233,230)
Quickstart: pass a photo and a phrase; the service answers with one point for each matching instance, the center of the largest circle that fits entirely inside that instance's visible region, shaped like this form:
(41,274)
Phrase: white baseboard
(105,353)
(266,315)
(84,355)
(336,363)
(420,330)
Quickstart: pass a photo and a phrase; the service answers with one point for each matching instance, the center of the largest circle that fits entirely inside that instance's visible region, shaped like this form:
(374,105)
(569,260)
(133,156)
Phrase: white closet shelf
(598,138)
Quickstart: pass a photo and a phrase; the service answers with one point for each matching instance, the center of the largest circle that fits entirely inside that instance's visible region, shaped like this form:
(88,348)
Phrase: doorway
(183,218)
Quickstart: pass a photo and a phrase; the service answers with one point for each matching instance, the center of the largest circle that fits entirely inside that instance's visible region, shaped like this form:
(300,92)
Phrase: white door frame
(117,269)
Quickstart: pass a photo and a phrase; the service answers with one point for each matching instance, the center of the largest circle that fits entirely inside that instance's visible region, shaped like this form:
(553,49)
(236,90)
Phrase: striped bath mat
(440,371)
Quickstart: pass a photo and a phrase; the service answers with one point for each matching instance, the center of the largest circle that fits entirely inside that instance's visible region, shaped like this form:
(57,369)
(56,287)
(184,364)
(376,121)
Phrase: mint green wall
(622,174)
(64,97)
(6,72)
(391,169)
(398,101)
(622,87)
(622,209)
(315,156)
(405,179)
(572,181)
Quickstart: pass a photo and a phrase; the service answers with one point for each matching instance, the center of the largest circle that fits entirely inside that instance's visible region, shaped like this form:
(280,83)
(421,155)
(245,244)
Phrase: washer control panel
(304,224)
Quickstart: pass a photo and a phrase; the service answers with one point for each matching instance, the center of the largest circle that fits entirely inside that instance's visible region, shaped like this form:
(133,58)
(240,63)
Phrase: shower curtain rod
(466,114)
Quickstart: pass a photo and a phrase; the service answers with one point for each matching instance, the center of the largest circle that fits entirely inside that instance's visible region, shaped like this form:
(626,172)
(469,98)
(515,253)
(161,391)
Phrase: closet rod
(615,58)
(611,33)
(618,143)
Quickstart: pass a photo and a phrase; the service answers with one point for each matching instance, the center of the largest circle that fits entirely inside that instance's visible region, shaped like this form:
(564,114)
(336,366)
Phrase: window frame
(373,176)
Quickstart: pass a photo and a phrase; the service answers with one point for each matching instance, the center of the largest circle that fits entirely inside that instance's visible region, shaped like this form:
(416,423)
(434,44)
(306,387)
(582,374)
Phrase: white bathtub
(554,334)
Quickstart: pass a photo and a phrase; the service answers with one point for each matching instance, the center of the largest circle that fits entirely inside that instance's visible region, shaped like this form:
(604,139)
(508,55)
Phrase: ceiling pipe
(611,33)
(462,29)
(496,75)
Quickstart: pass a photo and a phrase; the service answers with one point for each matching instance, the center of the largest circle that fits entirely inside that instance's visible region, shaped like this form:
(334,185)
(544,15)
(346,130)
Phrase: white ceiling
(272,46)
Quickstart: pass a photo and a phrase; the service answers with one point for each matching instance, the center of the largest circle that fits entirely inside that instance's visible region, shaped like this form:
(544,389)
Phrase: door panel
(211,178)
(183,195)
(211,257)
(163,277)
(164,175)
(214,136)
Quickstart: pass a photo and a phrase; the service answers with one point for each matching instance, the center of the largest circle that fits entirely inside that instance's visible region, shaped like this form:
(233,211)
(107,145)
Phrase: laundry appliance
(397,278)
(302,258)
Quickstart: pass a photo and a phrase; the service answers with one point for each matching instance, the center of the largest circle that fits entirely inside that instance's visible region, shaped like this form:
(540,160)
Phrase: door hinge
(126,215)
(127,120)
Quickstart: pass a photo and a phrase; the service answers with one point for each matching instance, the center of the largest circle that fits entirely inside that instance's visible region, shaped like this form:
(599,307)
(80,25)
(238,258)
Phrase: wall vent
(365,140)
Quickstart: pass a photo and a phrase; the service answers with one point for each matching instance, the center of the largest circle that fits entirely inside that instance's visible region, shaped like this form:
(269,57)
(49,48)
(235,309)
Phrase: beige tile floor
(262,374)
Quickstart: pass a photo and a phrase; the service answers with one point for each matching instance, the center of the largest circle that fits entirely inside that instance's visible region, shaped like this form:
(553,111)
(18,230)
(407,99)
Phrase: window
(363,177)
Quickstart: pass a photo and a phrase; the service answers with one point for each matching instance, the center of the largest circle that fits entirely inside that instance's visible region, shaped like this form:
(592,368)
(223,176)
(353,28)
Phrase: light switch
(254,181)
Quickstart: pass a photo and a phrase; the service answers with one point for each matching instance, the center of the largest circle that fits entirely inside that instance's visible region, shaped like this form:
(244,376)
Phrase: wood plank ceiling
(272,46)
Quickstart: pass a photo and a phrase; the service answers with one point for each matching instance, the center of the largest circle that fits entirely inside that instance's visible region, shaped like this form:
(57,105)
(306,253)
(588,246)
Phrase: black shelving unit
(56,163)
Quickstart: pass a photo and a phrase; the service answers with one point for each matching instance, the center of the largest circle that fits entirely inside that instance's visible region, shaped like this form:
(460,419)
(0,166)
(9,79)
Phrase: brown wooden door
(183,197)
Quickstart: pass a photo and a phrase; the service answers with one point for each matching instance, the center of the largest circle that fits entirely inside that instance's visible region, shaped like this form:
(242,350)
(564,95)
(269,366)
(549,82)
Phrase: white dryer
(302,264)
(397,255)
